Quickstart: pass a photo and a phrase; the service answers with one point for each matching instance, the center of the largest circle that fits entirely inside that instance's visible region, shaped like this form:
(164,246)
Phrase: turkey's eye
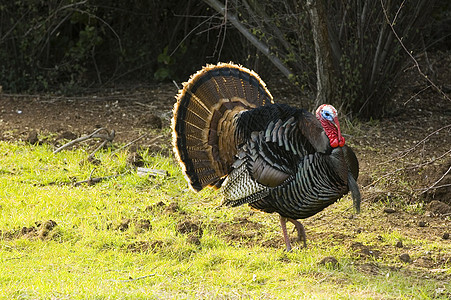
(327,115)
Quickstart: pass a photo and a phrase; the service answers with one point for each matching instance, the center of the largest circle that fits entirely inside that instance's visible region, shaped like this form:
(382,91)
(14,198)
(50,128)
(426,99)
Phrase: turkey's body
(229,134)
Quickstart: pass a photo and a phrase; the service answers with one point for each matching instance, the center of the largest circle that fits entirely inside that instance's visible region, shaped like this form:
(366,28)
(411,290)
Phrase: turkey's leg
(300,229)
(283,224)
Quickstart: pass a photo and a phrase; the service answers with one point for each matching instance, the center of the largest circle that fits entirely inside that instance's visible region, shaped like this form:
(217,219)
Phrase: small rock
(422,224)
(389,210)
(445,236)
(399,244)
(404,257)
(329,261)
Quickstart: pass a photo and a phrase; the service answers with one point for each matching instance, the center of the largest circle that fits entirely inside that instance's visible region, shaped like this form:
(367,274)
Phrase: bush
(67,45)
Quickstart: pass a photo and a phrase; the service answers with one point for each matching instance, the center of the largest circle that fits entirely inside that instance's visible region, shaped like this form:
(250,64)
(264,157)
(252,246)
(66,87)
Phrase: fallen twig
(108,137)
(95,180)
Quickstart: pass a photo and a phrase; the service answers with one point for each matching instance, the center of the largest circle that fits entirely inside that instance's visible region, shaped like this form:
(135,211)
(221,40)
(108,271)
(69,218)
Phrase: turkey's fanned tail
(203,123)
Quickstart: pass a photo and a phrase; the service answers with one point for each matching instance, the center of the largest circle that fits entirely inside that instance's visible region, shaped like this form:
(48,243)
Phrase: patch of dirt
(143,225)
(123,225)
(160,206)
(368,268)
(52,119)
(364,250)
(187,226)
(192,229)
(42,231)
(139,225)
(245,231)
(329,261)
(143,246)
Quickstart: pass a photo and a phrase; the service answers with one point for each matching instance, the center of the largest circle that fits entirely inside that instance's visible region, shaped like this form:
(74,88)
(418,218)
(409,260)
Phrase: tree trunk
(326,84)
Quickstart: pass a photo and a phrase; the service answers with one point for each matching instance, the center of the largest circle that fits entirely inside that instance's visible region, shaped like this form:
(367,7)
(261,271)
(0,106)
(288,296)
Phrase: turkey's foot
(299,227)
(301,231)
(283,225)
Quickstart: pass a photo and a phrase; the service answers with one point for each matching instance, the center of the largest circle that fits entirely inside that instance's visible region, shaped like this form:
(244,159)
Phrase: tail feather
(203,122)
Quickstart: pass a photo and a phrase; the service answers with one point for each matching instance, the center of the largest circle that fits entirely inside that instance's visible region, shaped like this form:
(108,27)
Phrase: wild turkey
(228,133)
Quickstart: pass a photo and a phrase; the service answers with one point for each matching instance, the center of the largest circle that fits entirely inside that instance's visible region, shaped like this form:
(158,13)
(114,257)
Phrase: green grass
(89,254)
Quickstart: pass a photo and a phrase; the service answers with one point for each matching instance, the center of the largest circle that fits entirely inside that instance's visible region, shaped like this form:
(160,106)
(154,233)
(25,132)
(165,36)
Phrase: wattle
(334,142)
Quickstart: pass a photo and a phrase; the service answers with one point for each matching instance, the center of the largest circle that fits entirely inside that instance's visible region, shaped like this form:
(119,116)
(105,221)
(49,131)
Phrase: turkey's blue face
(327,115)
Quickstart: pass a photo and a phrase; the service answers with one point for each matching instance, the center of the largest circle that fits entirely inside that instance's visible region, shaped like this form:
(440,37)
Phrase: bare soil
(405,157)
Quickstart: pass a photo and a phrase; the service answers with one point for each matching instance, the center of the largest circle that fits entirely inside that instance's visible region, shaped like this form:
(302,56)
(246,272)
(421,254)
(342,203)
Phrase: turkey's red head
(327,115)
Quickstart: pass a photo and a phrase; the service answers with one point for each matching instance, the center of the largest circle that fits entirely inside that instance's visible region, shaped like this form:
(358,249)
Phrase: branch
(219,7)
(108,137)
(410,168)
(391,24)
(433,186)
(405,152)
